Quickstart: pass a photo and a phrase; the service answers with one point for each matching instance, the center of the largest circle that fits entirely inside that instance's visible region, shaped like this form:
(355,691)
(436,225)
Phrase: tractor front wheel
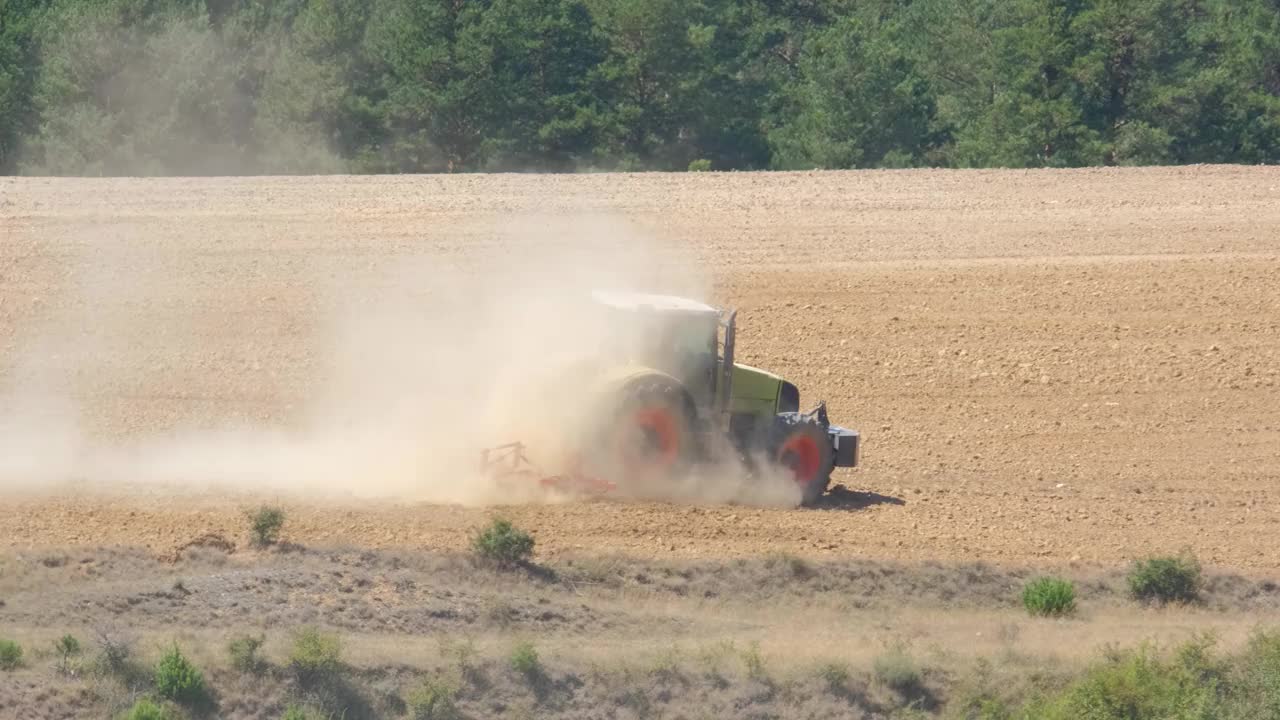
(800,446)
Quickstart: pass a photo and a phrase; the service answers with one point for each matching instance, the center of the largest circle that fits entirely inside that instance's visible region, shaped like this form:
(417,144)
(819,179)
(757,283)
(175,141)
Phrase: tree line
(384,86)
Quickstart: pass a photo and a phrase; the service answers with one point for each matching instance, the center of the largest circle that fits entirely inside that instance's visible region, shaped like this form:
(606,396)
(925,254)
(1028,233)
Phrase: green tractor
(669,395)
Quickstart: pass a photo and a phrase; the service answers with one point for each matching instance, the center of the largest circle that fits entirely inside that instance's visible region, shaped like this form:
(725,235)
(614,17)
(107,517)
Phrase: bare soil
(1046,366)
(1052,371)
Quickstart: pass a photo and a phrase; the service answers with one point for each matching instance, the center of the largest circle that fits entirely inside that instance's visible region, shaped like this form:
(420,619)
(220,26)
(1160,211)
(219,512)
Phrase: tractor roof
(625,300)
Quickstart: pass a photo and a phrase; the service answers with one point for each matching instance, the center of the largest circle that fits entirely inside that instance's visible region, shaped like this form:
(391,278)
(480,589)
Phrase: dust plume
(420,361)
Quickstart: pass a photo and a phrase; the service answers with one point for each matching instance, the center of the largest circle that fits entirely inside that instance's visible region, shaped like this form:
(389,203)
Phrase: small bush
(115,658)
(302,712)
(433,701)
(244,653)
(753,661)
(315,655)
(525,660)
(10,655)
(502,544)
(700,165)
(1255,679)
(1166,579)
(177,679)
(67,647)
(146,709)
(899,672)
(1140,684)
(1049,596)
(265,524)
(835,676)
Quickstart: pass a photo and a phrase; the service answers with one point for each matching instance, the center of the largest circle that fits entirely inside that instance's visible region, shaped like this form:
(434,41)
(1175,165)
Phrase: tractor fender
(611,384)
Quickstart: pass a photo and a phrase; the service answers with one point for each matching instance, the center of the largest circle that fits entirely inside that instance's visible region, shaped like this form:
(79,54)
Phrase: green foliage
(835,676)
(147,709)
(244,653)
(1049,596)
(10,655)
(1255,679)
(1142,684)
(897,670)
(180,87)
(177,679)
(1165,579)
(433,701)
(295,711)
(502,544)
(66,647)
(753,660)
(265,524)
(315,655)
(525,660)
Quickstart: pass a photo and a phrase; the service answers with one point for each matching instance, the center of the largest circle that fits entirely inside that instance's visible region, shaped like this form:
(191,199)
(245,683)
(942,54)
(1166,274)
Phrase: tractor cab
(675,335)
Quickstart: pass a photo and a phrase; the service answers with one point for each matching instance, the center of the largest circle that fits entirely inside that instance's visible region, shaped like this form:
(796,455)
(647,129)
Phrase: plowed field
(1046,367)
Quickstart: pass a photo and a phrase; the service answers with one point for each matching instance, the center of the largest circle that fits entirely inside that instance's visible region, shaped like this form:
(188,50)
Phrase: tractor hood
(755,391)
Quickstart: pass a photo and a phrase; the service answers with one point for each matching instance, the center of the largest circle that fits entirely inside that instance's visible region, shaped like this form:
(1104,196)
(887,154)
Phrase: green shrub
(1256,680)
(315,655)
(265,524)
(1166,579)
(1049,596)
(525,660)
(67,647)
(433,701)
(753,660)
(700,165)
(835,676)
(244,653)
(1138,684)
(295,711)
(177,679)
(898,671)
(502,544)
(10,655)
(146,709)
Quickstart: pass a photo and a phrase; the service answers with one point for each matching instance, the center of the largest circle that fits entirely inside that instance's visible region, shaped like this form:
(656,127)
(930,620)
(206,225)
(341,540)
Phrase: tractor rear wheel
(649,436)
(800,445)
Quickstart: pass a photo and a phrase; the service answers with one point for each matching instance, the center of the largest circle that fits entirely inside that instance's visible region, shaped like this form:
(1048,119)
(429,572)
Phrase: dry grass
(617,631)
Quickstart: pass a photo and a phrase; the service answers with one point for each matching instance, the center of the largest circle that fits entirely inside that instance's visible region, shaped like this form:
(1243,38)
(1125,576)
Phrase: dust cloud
(423,359)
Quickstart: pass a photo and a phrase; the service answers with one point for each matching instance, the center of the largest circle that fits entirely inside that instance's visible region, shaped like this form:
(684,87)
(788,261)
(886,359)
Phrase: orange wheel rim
(651,438)
(803,457)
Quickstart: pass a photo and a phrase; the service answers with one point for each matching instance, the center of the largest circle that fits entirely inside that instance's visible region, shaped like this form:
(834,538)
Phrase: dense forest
(371,86)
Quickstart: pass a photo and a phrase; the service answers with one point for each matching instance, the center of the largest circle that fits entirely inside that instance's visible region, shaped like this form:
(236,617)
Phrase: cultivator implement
(509,463)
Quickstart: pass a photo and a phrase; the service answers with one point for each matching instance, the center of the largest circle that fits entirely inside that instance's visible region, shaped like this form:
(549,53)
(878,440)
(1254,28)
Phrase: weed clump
(898,671)
(115,658)
(10,655)
(1166,579)
(244,653)
(265,524)
(1049,597)
(303,712)
(433,701)
(1141,684)
(147,709)
(525,660)
(753,661)
(502,544)
(177,679)
(835,676)
(67,647)
(315,655)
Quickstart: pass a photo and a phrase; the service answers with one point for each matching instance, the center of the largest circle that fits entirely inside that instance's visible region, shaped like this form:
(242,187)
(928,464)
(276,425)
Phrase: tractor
(668,395)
